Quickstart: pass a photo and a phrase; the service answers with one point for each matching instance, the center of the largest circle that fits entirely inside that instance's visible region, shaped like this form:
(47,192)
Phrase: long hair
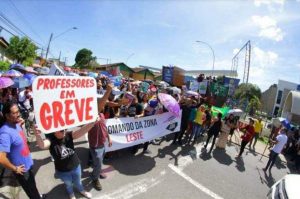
(6,110)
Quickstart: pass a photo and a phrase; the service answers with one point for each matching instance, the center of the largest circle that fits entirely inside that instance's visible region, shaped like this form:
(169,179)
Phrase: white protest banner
(62,102)
(203,87)
(126,132)
(56,71)
(194,86)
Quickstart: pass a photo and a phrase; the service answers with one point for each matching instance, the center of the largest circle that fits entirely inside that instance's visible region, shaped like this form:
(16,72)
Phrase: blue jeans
(97,157)
(71,178)
(197,129)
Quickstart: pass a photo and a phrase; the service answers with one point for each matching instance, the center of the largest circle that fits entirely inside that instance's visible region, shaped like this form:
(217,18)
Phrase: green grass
(264,139)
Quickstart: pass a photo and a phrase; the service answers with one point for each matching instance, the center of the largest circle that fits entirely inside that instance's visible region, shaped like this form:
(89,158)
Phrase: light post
(213,53)
(129,57)
(51,39)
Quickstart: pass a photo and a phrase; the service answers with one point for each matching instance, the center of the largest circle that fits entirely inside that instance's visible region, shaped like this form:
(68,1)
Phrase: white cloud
(268,27)
(264,58)
(258,3)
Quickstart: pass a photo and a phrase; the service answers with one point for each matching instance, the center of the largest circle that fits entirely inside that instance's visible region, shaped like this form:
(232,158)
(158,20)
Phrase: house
(3,46)
(116,68)
(142,74)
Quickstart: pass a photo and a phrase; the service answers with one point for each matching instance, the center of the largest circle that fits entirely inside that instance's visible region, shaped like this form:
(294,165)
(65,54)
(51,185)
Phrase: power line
(19,13)
(13,27)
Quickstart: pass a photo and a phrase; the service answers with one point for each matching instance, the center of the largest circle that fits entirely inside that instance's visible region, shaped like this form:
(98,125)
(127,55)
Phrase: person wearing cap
(258,127)
(248,135)
(279,143)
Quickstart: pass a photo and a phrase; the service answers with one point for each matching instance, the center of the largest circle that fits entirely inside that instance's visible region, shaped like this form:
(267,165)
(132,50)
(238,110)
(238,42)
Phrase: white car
(286,188)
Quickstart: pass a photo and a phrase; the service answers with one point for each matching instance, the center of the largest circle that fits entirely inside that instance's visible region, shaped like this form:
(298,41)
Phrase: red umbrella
(66,68)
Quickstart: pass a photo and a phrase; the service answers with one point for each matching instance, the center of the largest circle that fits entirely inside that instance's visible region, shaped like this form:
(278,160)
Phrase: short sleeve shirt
(13,142)
(282,140)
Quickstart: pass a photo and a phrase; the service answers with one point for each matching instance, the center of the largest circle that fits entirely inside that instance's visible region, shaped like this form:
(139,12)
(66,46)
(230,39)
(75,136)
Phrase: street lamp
(213,53)
(51,36)
(129,57)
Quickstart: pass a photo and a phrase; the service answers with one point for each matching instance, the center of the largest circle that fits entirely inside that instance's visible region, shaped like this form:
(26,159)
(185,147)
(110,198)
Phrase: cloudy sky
(156,33)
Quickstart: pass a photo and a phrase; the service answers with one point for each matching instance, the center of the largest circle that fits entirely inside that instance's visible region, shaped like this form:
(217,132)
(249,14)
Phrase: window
(276,111)
(279,96)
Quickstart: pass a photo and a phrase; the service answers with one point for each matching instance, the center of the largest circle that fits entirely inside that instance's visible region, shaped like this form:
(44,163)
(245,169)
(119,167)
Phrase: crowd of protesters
(128,99)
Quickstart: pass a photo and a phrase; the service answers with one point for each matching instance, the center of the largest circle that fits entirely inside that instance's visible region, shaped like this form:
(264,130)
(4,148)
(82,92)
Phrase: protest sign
(218,89)
(64,102)
(194,86)
(126,132)
(56,71)
(203,87)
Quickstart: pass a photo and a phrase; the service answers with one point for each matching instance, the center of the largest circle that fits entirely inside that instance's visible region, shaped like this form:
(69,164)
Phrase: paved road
(171,171)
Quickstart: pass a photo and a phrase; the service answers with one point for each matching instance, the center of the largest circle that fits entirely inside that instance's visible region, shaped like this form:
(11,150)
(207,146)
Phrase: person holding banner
(97,137)
(66,161)
(214,131)
(14,151)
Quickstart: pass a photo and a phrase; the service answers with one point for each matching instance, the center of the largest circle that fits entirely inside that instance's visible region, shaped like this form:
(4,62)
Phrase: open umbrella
(12,73)
(68,69)
(18,67)
(30,70)
(192,93)
(42,70)
(92,74)
(235,112)
(30,77)
(21,82)
(169,103)
(5,82)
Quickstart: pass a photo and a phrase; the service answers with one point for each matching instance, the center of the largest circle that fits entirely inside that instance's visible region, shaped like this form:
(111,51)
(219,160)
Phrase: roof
(138,69)
(112,65)
(3,42)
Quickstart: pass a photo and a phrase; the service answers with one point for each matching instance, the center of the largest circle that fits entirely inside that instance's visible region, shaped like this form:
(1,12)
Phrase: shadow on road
(266,179)
(38,163)
(240,165)
(222,157)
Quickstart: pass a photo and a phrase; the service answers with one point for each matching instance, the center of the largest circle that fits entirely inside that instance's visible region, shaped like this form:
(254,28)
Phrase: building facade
(283,88)
(268,99)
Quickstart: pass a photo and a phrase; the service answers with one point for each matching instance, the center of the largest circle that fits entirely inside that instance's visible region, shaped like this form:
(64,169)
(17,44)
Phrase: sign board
(194,86)
(126,132)
(62,102)
(167,74)
(203,87)
(56,71)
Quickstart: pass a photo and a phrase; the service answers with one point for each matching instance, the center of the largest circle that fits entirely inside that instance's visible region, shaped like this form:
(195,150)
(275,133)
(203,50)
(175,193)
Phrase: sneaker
(103,176)
(72,196)
(97,185)
(86,194)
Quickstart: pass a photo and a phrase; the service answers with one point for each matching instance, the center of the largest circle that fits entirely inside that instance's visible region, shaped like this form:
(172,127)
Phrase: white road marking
(133,189)
(195,183)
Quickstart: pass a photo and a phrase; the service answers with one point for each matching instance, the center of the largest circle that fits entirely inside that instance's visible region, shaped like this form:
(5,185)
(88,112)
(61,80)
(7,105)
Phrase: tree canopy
(249,94)
(84,58)
(21,50)
(4,65)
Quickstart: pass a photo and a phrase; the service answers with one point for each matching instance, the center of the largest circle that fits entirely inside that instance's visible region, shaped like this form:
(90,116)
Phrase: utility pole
(48,46)
(59,58)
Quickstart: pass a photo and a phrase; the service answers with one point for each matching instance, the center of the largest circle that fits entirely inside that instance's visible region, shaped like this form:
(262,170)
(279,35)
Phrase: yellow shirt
(258,126)
(199,117)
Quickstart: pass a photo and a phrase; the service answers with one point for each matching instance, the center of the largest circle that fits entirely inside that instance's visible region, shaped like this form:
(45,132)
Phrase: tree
(249,94)
(4,65)
(21,49)
(84,58)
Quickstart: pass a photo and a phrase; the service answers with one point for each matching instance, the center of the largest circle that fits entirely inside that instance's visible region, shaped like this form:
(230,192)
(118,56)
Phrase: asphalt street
(170,171)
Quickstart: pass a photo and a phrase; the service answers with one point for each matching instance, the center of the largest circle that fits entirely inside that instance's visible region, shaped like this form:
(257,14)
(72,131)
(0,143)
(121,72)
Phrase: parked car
(286,188)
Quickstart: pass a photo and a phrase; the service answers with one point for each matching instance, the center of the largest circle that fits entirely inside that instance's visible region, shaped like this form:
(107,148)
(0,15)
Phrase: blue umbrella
(12,73)
(21,82)
(18,67)
(92,74)
(30,77)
